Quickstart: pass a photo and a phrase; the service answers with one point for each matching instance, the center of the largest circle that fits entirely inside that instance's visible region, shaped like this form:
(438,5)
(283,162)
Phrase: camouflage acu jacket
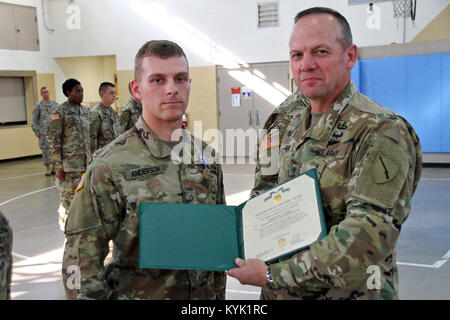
(105,126)
(41,116)
(368,161)
(6,238)
(69,137)
(129,114)
(138,167)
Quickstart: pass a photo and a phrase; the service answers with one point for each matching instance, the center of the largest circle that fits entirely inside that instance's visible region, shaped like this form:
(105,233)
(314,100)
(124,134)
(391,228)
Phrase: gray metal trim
(407,49)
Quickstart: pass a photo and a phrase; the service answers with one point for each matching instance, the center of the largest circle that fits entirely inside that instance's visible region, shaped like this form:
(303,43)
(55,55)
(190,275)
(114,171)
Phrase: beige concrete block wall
(20,141)
(123,78)
(203,102)
(17,142)
(90,71)
(437,29)
(46,80)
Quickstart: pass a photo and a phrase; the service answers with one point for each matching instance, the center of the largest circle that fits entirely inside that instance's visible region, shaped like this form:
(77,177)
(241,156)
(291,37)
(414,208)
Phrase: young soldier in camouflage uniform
(105,126)
(368,161)
(6,238)
(130,112)
(136,167)
(69,144)
(41,120)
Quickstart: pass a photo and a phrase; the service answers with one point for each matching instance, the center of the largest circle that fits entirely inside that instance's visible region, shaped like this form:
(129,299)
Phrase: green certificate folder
(276,223)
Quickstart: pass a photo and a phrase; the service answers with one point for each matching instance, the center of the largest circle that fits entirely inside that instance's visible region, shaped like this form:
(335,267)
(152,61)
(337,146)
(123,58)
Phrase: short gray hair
(347,38)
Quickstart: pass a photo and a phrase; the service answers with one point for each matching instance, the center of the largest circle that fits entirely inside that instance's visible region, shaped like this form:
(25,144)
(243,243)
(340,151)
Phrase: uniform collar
(136,104)
(157,147)
(104,108)
(75,108)
(322,130)
(102,105)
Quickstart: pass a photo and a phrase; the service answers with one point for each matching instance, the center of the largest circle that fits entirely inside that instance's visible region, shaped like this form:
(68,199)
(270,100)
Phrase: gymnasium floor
(30,200)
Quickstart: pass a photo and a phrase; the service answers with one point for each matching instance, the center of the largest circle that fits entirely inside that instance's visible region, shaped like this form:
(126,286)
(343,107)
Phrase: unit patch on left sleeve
(384,168)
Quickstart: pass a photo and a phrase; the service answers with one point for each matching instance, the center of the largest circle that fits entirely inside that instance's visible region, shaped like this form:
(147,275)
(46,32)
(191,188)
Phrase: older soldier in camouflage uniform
(368,161)
(136,167)
(41,120)
(130,112)
(69,144)
(105,126)
(6,238)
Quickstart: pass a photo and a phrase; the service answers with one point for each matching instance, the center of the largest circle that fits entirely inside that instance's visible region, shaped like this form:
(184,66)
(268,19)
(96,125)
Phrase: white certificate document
(283,220)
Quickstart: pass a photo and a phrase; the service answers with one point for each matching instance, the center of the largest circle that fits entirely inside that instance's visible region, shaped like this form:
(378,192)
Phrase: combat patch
(141,172)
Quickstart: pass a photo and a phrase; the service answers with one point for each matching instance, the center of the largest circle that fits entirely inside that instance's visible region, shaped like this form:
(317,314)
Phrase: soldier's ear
(135,89)
(351,54)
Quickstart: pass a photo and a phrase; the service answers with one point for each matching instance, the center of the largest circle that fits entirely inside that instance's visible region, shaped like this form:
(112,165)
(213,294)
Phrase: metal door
(27,36)
(275,74)
(7,27)
(268,84)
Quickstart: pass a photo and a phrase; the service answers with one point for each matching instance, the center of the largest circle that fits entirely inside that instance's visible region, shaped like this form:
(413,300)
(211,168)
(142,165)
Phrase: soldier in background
(130,112)
(138,167)
(69,143)
(6,239)
(105,126)
(70,148)
(368,161)
(41,120)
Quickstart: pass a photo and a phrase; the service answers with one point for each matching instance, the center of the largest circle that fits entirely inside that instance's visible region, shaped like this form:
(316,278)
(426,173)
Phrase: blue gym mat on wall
(417,88)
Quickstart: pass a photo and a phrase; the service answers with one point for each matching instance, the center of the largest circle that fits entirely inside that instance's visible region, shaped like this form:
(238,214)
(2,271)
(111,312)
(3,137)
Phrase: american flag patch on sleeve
(55,117)
(81,183)
(270,142)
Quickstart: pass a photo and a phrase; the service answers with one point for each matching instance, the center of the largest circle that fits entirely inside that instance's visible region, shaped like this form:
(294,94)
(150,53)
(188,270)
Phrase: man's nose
(308,62)
(171,87)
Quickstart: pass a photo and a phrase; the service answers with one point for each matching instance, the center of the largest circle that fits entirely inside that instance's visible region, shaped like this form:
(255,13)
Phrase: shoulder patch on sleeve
(384,168)
(380,176)
(56,116)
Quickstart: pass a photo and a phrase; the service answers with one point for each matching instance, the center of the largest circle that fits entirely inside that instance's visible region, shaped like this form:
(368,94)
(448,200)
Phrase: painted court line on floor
(436,265)
(26,195)
(18,177)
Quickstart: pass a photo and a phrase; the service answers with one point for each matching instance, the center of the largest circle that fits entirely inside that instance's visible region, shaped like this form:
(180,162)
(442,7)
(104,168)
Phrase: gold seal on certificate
(277,198)
(282,242)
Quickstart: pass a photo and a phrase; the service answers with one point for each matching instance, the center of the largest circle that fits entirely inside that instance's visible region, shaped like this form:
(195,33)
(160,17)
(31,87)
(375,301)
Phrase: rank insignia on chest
(141,172)
(342,125)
